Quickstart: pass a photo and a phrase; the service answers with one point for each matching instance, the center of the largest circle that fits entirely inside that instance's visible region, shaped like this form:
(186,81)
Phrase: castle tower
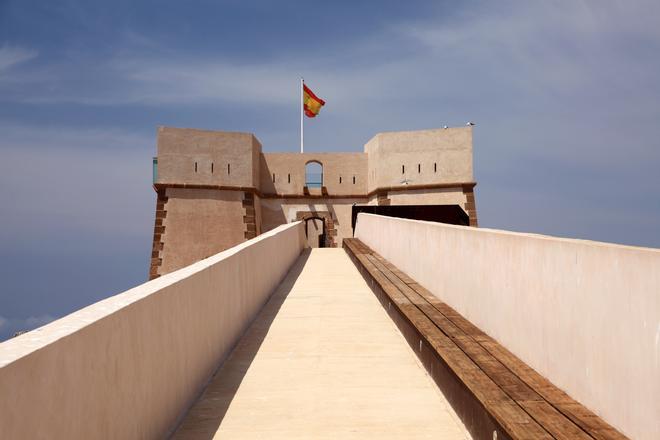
(423,167)
(206,183)
(217,189)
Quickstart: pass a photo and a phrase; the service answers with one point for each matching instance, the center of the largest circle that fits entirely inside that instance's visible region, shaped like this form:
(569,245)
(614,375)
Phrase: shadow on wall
(206,415)
(271,217)
(333,213)
(267,186)
(315,231)
(329,206)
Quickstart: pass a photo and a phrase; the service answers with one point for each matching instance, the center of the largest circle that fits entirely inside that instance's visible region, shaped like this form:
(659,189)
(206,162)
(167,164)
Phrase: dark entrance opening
(315,236)
(452,214)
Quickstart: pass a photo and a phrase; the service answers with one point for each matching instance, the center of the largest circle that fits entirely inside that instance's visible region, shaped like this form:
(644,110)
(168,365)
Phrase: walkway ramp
(322,360)
(490,388)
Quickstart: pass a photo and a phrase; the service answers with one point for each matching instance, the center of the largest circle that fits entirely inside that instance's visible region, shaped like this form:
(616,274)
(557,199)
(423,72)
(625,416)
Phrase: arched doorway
(315,231)
(313,174)
(320,223)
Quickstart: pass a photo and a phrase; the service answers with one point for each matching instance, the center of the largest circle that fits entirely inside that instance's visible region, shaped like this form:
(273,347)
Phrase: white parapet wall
(128,367)
(584,314)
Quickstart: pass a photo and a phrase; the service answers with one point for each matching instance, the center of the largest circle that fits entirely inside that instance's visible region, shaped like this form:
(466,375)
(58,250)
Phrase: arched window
(314,174)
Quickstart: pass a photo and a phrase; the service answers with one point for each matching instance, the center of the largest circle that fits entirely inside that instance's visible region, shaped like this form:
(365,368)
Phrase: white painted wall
(129,366)
(584,314)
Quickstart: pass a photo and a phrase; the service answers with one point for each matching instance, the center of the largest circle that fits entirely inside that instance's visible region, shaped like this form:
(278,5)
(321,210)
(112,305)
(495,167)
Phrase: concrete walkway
(322,361)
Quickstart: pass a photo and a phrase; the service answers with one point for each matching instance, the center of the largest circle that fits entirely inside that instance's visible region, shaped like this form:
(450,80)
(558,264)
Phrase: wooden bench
(495,393)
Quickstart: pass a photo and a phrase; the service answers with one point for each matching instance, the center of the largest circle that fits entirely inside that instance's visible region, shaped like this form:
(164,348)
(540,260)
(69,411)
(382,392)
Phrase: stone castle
(412,329)
(217,189)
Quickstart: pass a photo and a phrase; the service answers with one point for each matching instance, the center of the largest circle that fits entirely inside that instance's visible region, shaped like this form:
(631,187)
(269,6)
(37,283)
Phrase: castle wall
(258,215)
(436,196)
(583,314)
(335,165)
(199,157)
(423,157)
(130,366)
(200,223)
(278,211)
(256,163)
(217,189)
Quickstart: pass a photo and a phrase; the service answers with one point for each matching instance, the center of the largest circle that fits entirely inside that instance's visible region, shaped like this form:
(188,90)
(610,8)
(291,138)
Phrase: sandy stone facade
(217,189)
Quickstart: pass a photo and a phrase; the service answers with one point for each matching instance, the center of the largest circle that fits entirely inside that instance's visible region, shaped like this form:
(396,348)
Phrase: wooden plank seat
(494,392)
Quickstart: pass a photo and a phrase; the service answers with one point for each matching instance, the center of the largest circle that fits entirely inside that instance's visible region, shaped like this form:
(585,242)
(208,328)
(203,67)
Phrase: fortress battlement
(218,188)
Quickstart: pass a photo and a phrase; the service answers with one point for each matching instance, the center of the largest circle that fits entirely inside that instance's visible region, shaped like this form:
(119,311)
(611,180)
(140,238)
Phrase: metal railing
(314,180)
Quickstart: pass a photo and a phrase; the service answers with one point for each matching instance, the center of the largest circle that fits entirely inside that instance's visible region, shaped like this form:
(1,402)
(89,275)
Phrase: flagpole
(302,128)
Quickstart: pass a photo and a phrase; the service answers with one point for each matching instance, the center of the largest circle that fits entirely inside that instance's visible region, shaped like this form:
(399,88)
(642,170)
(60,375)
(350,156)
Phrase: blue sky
(565,95)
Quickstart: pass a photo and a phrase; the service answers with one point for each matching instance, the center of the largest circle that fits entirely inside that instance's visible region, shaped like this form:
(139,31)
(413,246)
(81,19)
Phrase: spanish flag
(311,102)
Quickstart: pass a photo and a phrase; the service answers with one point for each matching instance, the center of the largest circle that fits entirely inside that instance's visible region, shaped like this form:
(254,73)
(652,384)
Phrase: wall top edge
(504,232)
(424,130)
(164,128)
(463,185)
(313,154)
(18,347)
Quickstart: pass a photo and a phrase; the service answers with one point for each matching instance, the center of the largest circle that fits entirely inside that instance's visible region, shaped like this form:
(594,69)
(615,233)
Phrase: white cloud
(158,81)
(91,181)
(38,321)
(572,82)
(9,326)
(534,48)
(201,81)
(520,52)
(14,55)
(491,52)
(562,45)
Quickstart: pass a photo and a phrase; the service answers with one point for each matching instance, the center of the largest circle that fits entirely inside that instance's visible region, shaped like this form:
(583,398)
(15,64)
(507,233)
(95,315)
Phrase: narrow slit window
(353,180)
(419,167)
(211,167)
(339,179)
(228,168)
(195,166)
(289,178)
(403,169)
(273,177)
(435,167)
